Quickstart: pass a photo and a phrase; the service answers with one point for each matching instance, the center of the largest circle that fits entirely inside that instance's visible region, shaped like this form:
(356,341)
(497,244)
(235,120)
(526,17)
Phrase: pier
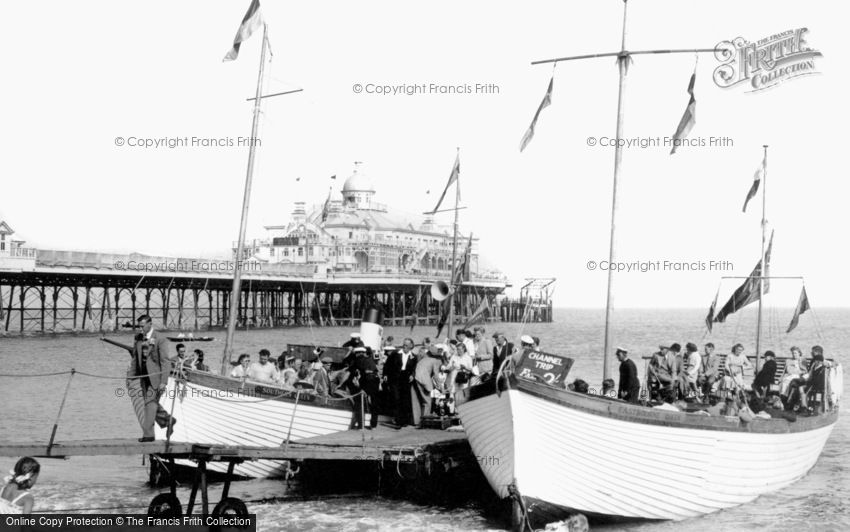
(421,461)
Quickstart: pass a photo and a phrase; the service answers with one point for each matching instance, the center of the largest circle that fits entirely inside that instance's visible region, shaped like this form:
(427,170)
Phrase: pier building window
(300,252)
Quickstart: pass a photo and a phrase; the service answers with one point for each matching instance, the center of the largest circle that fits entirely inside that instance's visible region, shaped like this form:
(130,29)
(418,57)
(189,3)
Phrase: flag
(326,207)
(710,318)
(547,101)
(756,180)
(802,306)
(452,178)
(689,118)
(250,22)
(748,292)
(415,309)
(333,176)
(462,272)
(480,314)
(444,315)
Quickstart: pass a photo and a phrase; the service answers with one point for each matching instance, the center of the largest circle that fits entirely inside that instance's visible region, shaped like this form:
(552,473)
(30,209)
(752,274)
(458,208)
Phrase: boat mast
(454,259)
(622,64)
(763,264)
(237,270)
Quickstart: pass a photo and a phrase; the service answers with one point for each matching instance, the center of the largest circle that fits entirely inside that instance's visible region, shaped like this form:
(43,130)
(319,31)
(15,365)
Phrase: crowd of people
(407,381)
(685,380)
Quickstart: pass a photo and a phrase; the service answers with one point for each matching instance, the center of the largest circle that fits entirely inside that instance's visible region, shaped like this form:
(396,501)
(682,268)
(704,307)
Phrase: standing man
(662,371)
(399,370)
(152,367)
(322,379)
(502,350)
(629,389)
(427,370)
(483,353)
(365,373)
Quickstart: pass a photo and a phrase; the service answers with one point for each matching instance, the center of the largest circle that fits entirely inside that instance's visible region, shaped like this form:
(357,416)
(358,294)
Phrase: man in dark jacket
(152,365)
(399,371)
(502,350)
(364,377)
(765,377)
(629,389)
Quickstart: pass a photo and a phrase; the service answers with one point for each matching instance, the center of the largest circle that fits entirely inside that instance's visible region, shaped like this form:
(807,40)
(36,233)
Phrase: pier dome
(358,190)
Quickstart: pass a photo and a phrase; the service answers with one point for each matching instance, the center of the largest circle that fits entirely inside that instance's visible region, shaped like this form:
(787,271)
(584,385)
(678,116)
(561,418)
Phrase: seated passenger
(241,369)
(263,371)
(793,370)
(579,386)
(709,371)
(691,363)
(764,379)
(608,389)
(660,375)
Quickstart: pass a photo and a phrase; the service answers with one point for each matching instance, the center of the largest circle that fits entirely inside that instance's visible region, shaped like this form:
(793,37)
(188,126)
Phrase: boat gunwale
(613,409)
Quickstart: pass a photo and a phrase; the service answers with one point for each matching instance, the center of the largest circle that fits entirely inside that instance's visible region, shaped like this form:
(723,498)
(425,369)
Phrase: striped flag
(756,181)
(481,313)
(547,101)
(452,178)
(802,306)
(250,22)
(709,320)
(688,119)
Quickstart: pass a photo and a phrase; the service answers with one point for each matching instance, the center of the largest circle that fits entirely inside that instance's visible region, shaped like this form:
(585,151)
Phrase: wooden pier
(421,460)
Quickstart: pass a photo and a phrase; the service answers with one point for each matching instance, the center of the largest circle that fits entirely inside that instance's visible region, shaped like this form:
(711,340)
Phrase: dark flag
(326,207)
(333,176)
(756,181)
(802,306)
(415,309)
(689,118)
(462,273)
(452,178)
(547,101)
(444,316)
(748,292)
(709,320)
(250,22)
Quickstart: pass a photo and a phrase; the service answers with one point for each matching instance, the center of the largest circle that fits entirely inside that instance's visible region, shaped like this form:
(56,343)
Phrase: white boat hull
(578,460)
(208,414)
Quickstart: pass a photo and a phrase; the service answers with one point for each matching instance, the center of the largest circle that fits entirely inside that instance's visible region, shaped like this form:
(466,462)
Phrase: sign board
(544,367)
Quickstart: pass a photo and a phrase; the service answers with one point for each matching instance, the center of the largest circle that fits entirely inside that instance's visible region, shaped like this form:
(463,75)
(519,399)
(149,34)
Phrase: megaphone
(440,290)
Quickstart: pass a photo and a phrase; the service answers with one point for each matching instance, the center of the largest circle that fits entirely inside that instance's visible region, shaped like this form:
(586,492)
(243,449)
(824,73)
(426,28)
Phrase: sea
(93,409)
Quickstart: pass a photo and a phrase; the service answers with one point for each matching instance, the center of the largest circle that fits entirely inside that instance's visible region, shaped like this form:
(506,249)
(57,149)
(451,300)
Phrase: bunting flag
(415,309)
(748,292)
(481,313)
(444,316)
(462,272)
(688,119)
(250,22)
(333,176)
(756,181)
(547,101)
(326,207)
(452,178)
(709,320)
(802,306)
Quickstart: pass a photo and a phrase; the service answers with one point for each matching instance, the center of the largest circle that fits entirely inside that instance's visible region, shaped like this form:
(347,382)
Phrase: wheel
(165,505)
(230,506)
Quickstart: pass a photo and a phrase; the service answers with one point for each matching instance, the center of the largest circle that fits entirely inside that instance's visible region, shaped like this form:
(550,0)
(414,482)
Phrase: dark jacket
(157,365)
(500,353)
(393,370)
(766,375)
(629,389)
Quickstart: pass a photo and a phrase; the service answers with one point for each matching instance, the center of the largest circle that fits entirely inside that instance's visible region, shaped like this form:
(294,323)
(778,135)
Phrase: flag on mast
(547,101)
(252,20)
(688,119)
(452,178)
(709,320)
(802,306)
(462,273)
(748,292)
(327,206)
(480,314)
(756,181)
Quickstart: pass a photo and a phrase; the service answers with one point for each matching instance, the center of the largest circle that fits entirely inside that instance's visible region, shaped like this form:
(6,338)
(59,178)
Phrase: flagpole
(246,198)
(763,265)
(622,63)
(454,258)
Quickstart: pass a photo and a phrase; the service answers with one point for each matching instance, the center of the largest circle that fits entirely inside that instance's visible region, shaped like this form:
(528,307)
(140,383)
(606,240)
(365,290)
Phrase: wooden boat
(223,410)
(558,452)
(191,338)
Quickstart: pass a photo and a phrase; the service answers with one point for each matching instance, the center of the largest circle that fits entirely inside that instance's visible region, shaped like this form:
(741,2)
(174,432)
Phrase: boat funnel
(371,331)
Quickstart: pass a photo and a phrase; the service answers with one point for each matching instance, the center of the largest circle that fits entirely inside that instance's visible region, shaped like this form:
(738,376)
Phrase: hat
(355,335)
(526,339)
(318,351)
(289,357)
(497,334)
(327,360)
(621,350)
(360,349)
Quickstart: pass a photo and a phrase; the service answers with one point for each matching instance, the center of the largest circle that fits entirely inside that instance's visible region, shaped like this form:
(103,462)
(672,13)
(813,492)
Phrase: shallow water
(819,501)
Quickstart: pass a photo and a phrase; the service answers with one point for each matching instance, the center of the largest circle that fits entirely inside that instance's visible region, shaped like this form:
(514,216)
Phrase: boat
(191,338)
(554,453)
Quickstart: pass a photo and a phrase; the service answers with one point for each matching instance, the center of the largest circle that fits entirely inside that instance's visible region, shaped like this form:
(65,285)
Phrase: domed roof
(358,182)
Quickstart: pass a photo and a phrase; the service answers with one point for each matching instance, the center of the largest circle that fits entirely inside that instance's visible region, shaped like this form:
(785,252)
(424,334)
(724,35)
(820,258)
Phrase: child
(15,497)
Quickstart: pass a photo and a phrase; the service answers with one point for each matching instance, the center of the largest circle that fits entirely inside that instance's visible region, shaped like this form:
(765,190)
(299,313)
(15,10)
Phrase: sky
(81,74)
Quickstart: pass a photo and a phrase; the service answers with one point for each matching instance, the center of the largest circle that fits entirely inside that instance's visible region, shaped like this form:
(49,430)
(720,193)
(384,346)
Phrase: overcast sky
(79,74)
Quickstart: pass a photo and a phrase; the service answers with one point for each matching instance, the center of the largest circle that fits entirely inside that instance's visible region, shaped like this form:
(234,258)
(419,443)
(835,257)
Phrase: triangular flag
(748,292)
(688,119)
(802,306)
(547,101)
(326,207)
(452,178)
(709,320)
(756,181)
(250,22)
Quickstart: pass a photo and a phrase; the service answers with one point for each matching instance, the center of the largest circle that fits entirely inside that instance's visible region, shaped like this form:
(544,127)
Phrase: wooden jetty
(422,458)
